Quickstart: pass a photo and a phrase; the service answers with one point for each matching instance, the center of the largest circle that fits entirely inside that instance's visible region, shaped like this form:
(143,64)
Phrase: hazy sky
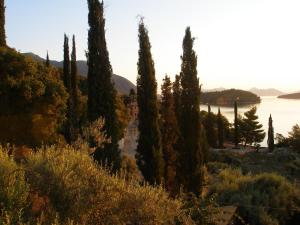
(240,43)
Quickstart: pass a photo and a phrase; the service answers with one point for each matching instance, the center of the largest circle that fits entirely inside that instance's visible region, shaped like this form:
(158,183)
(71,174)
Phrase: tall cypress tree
(101,91)
(210,128)
(236,125)
(47,63)
(74,91)
(271,134)
(68,129)
(177,96)
(2,24)
(192,155)
(170,133)
(220,124)
(149,152)
(66,64)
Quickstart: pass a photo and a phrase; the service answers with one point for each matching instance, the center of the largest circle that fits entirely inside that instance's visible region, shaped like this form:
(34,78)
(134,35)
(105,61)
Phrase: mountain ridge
(266,91)
(122,84)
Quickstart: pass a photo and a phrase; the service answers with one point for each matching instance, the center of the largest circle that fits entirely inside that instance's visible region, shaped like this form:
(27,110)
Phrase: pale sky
(240,43)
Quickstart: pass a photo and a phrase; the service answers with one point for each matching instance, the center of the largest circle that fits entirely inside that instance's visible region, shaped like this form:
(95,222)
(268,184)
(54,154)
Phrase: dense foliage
(101,91)
(32,99)
(169,133)
(263,199)
(293,139)
(63,186)
(228,97)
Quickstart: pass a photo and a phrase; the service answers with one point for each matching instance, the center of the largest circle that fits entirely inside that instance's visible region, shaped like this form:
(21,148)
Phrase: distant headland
(228,97)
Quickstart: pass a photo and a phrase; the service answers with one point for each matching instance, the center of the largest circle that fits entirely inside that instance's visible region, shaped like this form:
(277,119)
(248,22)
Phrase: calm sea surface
(285,113)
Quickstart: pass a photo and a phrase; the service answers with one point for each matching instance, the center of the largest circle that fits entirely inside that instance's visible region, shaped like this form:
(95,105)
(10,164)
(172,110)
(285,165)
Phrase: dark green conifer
(177,96)
(236,126)
(74,91)
(47,63)
(2,24)
(220,124)
(101,91)
(271,134)
(192,154)
(149,152)
(170,133)
(68,128)
(66,64)
(210,129)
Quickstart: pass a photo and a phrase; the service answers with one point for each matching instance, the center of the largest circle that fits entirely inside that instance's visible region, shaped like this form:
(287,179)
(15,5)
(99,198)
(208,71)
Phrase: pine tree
(192,155)
(74,92)
(251,129)
(170,132)
(47,63)
(2,24)
(220,124)
(101,91)
(210,128)
(271,134)
(236,125)
(68,129)
(149,152)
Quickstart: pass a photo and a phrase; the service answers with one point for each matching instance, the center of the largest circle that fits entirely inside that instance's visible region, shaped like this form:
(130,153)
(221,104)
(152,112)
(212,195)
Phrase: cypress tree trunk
(74,91)
(170,133)
(101,91)
(220,130)
(210,129)
(149,153)
(192,154)
(271,134)
(236,128)
(2,24)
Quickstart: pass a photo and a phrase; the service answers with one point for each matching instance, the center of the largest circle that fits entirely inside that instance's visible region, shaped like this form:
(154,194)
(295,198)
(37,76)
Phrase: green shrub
(262,199)
(216,167)
(14,190)
(59,185)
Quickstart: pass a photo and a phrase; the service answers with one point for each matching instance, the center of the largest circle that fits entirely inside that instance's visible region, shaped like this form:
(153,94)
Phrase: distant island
(227,97)
(266,92)
(290,96)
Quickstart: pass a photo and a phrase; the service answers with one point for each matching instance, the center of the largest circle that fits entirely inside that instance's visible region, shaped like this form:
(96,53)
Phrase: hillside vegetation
(60,185)
(228,97)
(122,84)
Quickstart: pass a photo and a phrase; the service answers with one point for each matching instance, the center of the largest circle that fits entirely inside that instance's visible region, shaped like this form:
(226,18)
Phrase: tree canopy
(32,99)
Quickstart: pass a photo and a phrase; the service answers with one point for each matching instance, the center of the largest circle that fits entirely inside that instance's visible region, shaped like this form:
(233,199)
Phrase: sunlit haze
(240,43)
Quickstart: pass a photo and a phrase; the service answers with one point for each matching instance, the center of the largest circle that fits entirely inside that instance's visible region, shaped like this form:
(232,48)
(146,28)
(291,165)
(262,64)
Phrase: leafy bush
(63,186)
(223,156)
(263,199)
(14,190)
(32,99)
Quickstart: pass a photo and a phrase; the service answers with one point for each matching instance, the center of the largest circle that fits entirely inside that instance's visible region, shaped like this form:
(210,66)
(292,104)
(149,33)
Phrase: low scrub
(263,199)
(64,186)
